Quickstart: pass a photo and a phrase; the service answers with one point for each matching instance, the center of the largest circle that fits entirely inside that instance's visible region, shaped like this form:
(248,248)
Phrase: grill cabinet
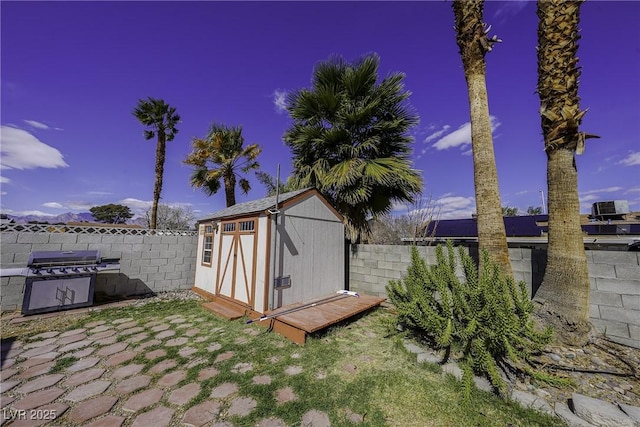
(62,280)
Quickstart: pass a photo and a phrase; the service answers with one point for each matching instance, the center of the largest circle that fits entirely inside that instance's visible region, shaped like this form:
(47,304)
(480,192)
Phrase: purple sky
(73,72)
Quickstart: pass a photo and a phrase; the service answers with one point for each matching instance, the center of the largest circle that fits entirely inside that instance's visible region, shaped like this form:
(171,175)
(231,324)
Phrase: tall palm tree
(349,140)
(223,149)
(160,120)
(564,293)
(472,39)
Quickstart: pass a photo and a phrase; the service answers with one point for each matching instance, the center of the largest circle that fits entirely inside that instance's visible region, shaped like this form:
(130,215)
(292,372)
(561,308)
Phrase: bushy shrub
(486,317)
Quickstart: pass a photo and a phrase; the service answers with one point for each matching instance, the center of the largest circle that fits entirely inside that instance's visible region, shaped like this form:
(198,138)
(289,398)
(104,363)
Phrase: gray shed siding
(310,248)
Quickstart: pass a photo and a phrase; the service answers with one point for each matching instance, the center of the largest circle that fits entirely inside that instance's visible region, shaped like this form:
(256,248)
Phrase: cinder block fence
(614,275)
(149,263)
(165,261)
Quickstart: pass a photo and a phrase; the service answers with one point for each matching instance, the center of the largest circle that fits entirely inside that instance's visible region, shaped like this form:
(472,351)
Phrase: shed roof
(254,206)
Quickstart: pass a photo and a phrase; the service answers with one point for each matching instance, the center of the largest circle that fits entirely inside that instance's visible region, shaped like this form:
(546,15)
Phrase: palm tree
(564,293)
(222,148)
(349,140)
(161,120)
(472,39)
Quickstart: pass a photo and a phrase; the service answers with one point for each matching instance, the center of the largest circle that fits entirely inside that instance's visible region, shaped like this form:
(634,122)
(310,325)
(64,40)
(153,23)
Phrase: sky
(72,72)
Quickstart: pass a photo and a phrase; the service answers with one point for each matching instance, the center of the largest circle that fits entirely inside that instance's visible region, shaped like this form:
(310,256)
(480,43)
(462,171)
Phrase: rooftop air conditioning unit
(609,210)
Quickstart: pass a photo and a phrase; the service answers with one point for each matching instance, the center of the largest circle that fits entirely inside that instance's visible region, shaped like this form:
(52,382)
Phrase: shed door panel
(236,274)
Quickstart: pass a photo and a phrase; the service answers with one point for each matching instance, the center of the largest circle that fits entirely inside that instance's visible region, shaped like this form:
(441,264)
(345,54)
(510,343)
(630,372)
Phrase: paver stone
(224,356)
(171,379)
(33,361)
(5,374)
(149,343)
(107,341)
(175,342)
(127,371)
(242,406)
(262,380)
(201,414)
(120,358)
(191,332)
(39,398)
(160,328)
(285,395)
(155,354)
(138,337)
(132,331)
(83,377)
(83,353)
(88,390)
(91,409)
(8,385)
(122,320)
(75,346)
(224,390)
(293,370)
(101,328)
(207,373)
(71,339)
(165,334)
(36,344)
(163,366)
(94,324)
(112,349)
(83,364)
(109,332)
(143,399)
(133,384)
(39,383)
(48,334)
(315,418)
(187,351)
(72,332)
(6,400)
(108,421)
(157,417)
(241,368)
(36,370)
(38,351)
(184,394)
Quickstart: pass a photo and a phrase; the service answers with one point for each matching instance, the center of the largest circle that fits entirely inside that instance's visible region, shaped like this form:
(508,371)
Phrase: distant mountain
(68,217)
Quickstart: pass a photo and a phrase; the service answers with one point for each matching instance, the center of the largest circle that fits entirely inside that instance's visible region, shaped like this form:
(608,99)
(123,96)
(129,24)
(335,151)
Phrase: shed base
(316,315)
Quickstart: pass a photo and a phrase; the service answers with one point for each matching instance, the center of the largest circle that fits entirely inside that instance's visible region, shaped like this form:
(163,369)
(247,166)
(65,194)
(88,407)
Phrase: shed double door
(237,261)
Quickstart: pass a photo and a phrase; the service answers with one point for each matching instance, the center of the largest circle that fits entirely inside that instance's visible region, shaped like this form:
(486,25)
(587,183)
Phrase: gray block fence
(148,263)
(152,263)
(614,275)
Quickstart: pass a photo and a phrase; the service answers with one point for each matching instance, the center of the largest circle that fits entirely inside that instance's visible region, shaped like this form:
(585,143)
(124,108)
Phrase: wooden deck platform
(300,319)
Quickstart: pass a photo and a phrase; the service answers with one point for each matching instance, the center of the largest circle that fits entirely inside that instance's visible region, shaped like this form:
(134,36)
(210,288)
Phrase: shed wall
(205,277)
(310,249)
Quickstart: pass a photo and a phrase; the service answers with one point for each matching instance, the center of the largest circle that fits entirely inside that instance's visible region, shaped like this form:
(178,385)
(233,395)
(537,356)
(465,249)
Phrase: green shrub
(486,317)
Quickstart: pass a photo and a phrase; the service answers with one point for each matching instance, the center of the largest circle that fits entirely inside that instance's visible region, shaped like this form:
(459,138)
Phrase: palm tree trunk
(230,189)
(473,43)
(157,188)
(564,293)
(491,232)
(563,297)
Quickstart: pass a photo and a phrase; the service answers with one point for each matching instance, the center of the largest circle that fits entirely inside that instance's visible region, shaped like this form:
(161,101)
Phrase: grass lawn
(351,369)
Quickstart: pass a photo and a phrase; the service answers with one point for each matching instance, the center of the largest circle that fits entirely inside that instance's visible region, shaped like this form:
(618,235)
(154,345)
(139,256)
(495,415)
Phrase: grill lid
(55,258)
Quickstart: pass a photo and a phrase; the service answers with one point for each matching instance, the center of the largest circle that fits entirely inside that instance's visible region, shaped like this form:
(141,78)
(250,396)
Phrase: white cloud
(602,190)
(280,100)
(26,213)
(136,203)
(461,136)
(37,125)
(633,190)
(633,159)
(54,205)
(589,198)
(21,150)
(437,134)
(4,180)
(99,193)
(450,206)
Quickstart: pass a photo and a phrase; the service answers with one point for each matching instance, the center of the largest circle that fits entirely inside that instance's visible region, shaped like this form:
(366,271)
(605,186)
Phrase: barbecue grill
(61,280)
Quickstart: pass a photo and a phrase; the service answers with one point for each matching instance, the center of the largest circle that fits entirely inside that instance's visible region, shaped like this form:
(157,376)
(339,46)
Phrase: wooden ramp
(225,309)
(298,320)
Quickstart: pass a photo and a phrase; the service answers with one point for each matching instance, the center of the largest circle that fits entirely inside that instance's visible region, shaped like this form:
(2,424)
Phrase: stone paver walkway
(123,372)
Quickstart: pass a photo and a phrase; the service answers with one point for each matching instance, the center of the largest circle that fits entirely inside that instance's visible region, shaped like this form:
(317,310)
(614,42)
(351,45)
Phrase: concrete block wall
(614,275)
(148,263)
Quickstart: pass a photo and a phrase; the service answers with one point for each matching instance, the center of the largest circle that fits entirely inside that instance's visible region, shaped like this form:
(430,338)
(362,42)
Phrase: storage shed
(258,256)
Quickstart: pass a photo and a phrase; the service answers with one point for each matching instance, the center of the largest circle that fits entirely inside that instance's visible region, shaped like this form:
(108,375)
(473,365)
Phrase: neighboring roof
(254,206)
